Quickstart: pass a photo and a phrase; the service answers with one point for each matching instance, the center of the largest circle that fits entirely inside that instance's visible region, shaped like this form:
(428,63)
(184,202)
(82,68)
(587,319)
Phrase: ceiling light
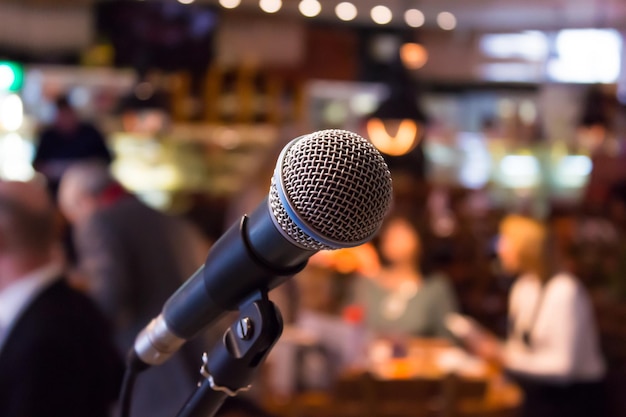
(397,126)
(186,1)
(446,20)
(381,15)
(402,141)
(230,4)
(270,6)
(346,11)
(414,18)
(310,8)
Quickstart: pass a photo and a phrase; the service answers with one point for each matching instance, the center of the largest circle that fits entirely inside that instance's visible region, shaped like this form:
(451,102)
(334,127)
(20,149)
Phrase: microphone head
(331,189)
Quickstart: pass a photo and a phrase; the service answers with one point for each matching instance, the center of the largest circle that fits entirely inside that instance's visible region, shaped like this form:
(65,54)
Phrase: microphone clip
(233,363)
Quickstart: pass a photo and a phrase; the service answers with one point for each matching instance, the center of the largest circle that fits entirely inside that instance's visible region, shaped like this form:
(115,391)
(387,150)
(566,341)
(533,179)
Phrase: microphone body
(251,255)
(310,207)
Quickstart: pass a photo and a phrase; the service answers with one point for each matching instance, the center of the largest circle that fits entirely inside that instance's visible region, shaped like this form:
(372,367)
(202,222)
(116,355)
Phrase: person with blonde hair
(552,347)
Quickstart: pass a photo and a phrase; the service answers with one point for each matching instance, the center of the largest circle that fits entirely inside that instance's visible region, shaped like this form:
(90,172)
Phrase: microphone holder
(234,362)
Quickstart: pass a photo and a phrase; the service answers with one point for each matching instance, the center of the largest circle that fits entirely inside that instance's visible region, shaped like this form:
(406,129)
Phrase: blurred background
(480,107)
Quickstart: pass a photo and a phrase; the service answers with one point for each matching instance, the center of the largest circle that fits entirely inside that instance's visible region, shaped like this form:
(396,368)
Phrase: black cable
(134,366)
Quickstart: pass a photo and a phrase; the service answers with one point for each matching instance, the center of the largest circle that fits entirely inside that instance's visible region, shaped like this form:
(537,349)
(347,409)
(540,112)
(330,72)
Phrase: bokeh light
(413,55)
(446,20)
(381,15)
(270,6)
(414,18)
(310,8)
(346,11)
(230,4)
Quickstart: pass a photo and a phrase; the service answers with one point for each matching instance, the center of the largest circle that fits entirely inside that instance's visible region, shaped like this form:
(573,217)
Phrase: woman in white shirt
(552,348)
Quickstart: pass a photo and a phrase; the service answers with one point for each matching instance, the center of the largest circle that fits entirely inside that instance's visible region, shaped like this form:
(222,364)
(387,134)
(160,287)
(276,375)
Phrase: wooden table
(425,382)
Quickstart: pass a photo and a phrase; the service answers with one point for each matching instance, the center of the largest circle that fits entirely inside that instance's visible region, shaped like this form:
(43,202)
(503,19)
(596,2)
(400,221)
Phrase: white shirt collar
(15,297)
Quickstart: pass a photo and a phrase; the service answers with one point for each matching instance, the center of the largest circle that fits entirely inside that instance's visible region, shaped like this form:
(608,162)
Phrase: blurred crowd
(85,264)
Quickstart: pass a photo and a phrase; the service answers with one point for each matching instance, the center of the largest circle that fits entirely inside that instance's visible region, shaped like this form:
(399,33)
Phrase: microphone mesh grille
(338,184)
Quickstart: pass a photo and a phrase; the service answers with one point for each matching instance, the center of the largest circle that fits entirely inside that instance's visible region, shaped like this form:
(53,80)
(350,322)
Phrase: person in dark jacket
(131,259)
(66,141)
(57,356)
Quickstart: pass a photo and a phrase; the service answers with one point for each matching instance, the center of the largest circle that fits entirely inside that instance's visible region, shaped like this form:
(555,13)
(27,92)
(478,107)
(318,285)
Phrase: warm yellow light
(346,11)
(404,140)
(230,4)
(381,15)
(270,6)
(414,18)
(446,20)
(310,8)
(413,55)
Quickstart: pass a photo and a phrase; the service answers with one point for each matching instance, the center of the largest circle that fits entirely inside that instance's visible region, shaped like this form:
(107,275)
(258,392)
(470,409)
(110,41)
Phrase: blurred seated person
(131,258)
(402,297)
(552,348)
(57,356)
(66,141)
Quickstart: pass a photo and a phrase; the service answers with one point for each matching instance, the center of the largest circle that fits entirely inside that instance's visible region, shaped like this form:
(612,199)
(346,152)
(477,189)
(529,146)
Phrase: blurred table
(439,360)
(406,375)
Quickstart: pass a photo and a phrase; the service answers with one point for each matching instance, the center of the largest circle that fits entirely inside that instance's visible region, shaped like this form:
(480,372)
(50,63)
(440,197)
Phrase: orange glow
(413,55)
(402,142)
(361,259)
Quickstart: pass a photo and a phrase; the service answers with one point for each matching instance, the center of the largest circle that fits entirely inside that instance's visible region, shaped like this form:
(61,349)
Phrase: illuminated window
(586,56)
(531,45)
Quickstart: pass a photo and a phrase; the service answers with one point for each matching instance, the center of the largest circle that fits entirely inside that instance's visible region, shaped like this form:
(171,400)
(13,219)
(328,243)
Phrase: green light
(11,76)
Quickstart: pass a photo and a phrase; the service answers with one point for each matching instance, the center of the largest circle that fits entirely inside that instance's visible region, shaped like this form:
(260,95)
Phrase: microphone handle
(250,256)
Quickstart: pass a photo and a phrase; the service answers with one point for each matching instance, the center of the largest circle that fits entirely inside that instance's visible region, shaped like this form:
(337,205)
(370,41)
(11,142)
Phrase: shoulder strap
(526,334)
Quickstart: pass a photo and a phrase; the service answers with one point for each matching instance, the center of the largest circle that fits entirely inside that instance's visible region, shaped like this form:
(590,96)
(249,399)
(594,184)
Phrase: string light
(230,4)
(346,11)
(310,8)
(446,20)
(414,18)
(270,6)
(381,15)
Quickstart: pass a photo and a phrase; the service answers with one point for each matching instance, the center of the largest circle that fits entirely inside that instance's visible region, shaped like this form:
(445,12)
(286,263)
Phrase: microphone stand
(234,362)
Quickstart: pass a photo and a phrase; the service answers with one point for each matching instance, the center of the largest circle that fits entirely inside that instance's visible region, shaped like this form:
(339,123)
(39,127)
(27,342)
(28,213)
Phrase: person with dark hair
(404,298)
(66,141)
(57,357)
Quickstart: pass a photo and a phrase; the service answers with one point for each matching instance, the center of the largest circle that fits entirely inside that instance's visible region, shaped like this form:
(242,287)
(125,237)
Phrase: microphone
(330,189)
